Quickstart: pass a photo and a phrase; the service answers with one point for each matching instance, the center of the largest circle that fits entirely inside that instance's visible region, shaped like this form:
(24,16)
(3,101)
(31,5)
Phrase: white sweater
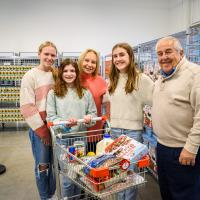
(127,109)
(176,107)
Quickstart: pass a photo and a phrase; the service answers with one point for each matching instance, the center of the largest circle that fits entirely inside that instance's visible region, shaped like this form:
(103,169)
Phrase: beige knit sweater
(176,107)
(127,109)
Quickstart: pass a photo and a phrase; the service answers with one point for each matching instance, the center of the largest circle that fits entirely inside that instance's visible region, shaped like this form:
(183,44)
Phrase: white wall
(195,13)
(74,25)
(179,15)
(183,14)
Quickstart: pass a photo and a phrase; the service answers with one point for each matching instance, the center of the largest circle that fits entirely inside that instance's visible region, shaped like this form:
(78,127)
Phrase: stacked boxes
(10,115)
(10,79)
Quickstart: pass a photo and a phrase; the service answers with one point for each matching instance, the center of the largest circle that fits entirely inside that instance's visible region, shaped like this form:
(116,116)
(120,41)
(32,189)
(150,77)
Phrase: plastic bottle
(101,145)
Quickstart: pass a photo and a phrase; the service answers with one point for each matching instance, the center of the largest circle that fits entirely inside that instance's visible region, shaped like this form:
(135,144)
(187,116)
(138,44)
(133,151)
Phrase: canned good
(72,150)
(80,148)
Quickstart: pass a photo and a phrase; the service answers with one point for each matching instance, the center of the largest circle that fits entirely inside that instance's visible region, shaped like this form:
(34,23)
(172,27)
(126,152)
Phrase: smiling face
(121,59)
(89,63)
(47,58)
(168,55)
(69,75)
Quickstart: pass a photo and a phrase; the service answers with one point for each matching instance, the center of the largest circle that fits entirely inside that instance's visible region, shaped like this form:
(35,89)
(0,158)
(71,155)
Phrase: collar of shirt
(165,75)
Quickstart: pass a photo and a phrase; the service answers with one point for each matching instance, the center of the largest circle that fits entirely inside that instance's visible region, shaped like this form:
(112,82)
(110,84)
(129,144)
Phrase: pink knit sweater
(97,86)
(34,89)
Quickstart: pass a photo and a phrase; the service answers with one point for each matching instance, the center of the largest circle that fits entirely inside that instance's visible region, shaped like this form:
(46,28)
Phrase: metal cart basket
(104,182)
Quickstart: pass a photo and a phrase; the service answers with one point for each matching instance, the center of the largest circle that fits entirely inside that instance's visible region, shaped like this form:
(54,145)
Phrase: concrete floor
(19,183)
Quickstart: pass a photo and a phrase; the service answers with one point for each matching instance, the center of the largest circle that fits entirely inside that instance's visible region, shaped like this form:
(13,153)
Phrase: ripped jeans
(42,154)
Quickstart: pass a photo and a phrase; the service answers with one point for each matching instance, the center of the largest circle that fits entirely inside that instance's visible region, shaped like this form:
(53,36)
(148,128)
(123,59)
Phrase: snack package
(100,161)
(127,148)
(113,166)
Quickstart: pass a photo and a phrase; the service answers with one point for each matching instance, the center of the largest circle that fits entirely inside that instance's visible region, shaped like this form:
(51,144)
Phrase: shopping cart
(104,182)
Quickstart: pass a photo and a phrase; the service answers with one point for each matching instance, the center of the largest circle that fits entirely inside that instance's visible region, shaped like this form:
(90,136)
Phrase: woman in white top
(128,91)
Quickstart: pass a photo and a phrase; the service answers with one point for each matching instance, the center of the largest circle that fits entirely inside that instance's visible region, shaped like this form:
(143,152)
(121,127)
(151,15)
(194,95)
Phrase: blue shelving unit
(194,45)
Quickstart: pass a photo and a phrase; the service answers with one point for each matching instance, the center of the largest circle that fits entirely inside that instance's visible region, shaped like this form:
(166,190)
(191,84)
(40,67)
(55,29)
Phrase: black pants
(177,182)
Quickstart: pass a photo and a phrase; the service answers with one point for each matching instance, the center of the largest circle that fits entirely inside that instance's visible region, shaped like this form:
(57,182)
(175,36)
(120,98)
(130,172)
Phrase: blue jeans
(69,188)
(129,194)
(42,154)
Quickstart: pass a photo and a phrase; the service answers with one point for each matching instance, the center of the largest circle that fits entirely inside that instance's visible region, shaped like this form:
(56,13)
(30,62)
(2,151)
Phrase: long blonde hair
(82,57)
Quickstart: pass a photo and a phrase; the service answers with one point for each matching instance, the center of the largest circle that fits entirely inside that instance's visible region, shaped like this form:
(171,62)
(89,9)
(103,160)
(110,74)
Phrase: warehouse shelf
(194,45)
(72,55)
(10,79)
(7,58)
(11,74)
(10,115)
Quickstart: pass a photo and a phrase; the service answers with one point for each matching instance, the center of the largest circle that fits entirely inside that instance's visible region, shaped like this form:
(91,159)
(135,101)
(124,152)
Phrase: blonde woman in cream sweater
(128,92)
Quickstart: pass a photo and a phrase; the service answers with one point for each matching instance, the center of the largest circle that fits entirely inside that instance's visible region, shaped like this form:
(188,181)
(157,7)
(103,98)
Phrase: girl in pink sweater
(34,89)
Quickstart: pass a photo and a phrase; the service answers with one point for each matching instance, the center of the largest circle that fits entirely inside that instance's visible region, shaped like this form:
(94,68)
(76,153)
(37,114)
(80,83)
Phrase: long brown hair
(133,74)
(82,57)
(60,87)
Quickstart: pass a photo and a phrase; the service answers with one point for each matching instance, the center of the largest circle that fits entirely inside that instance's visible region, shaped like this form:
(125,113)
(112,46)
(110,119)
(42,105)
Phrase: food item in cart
(102,184)
(106,160)
(97,162)
(118,143)
(101,145)
(87,159)
(72,150)
(91,153)
(111,162)
(80,148)
(127,148)
(131,180)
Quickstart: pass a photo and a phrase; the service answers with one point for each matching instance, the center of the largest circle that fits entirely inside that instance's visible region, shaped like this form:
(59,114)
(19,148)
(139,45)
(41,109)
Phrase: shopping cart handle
(49,124)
